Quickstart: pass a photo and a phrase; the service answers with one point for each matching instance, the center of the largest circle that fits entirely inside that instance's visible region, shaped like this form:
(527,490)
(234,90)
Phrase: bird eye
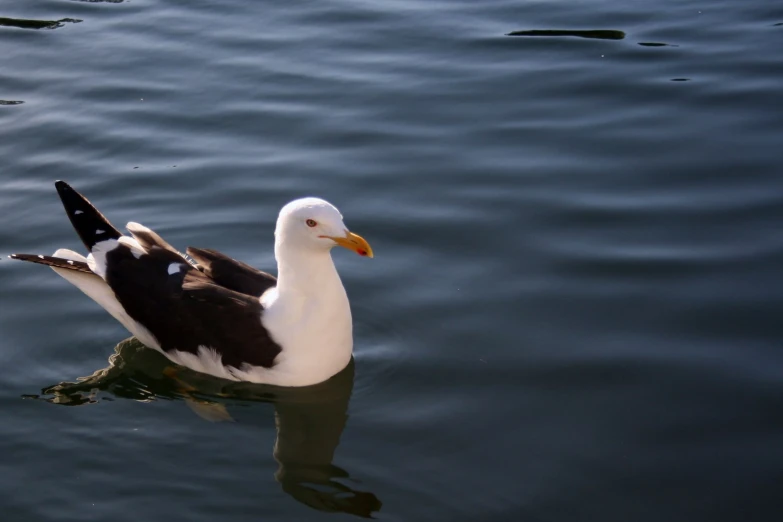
(311,223)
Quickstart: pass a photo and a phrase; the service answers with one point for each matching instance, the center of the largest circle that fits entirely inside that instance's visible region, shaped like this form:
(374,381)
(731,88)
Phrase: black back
(187,309)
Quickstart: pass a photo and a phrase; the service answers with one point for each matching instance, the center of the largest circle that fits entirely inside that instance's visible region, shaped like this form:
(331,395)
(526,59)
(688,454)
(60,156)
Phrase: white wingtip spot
(77,212)
(174,268)
(99,231)
(40,257)
(70,262)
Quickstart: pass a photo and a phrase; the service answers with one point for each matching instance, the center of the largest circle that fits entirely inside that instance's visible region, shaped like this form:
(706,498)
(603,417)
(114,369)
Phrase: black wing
(89,223)
(185,309)
(232,274)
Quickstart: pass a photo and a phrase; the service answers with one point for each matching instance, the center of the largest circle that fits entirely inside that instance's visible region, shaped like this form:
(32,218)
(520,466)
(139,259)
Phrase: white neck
(309,316)
(302,273)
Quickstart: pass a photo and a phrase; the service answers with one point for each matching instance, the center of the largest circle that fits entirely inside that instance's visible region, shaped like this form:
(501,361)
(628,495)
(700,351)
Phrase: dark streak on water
(600,34)
(574,312)
(11,102)
(656,44)
(36,24)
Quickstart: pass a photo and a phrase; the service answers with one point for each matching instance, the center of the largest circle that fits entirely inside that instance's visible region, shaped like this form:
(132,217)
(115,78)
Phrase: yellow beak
(353,242)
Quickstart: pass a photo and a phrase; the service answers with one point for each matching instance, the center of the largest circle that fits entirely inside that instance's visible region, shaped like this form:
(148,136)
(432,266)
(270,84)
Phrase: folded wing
(230,273)
(187,310)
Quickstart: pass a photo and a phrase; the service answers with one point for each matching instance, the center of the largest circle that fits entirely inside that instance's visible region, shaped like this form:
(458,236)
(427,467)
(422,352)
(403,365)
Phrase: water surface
(574,312)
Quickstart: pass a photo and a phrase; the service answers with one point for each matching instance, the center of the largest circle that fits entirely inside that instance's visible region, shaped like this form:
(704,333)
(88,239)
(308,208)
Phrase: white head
(316,225)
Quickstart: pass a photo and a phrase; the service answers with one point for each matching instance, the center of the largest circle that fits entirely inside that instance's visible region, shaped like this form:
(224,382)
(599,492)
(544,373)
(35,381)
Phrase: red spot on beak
(362,252)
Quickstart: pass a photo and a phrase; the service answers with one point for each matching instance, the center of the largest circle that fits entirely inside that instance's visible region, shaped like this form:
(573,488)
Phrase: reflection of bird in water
(309,420)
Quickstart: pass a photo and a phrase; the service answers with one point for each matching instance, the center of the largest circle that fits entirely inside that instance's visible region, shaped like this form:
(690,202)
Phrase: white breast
(315,332)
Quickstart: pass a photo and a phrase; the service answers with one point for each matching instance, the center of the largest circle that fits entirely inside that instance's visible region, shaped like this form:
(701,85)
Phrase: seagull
(214,314)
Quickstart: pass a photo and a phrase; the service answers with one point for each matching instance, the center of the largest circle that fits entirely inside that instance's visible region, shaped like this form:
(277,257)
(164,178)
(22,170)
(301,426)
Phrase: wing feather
(230,273)
(186,309)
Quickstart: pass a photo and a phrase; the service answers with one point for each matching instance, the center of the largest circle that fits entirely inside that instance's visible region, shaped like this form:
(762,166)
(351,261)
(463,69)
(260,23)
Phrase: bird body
(214,314)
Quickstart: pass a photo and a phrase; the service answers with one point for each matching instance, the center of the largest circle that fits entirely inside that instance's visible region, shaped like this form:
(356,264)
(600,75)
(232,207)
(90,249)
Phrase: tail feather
(90,224)
(55,262)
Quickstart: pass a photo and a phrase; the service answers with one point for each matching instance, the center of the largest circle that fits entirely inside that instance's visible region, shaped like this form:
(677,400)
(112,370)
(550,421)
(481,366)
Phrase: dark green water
(574,312)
